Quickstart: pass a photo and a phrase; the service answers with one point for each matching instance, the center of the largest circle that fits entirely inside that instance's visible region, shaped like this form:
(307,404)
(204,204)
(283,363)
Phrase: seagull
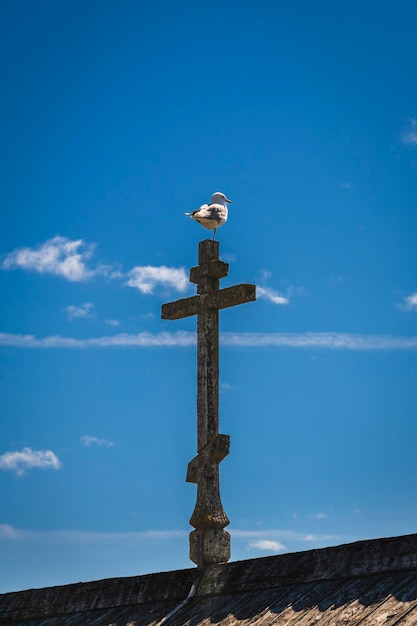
(212,215)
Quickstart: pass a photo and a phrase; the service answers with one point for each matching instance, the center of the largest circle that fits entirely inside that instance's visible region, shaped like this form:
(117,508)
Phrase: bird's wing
(215,212)
(197,211)
(218,212)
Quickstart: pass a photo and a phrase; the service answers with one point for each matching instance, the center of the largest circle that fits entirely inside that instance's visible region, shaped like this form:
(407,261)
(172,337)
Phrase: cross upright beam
(209,542)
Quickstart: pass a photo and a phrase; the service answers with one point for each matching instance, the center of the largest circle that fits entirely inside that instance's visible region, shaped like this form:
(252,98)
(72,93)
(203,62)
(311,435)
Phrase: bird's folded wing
(212,212)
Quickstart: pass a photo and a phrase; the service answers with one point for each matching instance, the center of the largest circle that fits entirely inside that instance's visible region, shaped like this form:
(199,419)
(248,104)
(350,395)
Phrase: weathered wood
(208,250)
(214,269)
(209,542)
(222,299)
(208,253)
(207,376)
(216,450)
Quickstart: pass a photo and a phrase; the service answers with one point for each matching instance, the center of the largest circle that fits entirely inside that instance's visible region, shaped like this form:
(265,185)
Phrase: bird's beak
(229,201)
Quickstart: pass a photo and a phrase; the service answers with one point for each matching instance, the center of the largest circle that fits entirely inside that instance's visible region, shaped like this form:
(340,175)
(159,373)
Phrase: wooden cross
(209,542)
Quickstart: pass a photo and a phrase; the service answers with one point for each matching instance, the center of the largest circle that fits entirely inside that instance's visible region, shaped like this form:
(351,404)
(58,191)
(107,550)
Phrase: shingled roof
(368,583)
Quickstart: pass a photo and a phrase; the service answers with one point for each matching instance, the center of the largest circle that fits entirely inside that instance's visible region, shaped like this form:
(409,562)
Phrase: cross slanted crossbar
(209,542)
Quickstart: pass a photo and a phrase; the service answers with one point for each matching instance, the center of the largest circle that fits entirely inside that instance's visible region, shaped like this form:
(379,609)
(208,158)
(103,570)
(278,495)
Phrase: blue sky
(118,117)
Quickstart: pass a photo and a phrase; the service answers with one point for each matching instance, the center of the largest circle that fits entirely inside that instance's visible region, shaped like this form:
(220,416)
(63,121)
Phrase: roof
(367,583)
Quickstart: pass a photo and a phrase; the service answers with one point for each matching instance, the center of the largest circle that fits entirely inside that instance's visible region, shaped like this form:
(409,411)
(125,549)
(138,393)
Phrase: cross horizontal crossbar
(219,299)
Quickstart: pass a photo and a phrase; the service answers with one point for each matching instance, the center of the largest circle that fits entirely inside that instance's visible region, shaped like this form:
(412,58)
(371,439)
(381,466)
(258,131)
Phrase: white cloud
(319,341)
(267,544)
(263,540)
(112,322)
(266,275)
(410,303)
(87,440)
(227,386)
(82,311)
(59,256)
(87,537)
(409,137)
(277,297)
(330,341)
(177,339)
(319,516)
(71,259)
(286,535)
(19,461)
(346,186)
(270,294)
(146,278)
(8,532)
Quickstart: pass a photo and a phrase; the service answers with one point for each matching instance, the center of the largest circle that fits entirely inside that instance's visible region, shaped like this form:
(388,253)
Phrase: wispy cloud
(8,532)
(183,339)
(59,256)
(268,545)
(318,516)
(271,539)
(25,459)
(85,310)
(279,533)
(139,340)
(409,303)
(111,322)
(274,296)
(277,540)
(346,186)
(313,538)
(87,441)
(270,294)
(409,137)
(148,277)
(72,260)
(227,386)
(328,341)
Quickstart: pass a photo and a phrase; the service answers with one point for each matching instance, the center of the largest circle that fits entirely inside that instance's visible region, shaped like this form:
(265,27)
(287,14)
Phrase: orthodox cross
(209,542)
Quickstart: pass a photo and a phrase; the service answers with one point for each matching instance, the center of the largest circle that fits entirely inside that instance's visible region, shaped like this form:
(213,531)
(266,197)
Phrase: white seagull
(212,215)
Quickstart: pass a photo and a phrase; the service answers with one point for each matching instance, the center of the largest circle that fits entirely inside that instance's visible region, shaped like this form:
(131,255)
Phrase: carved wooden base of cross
(209,542)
